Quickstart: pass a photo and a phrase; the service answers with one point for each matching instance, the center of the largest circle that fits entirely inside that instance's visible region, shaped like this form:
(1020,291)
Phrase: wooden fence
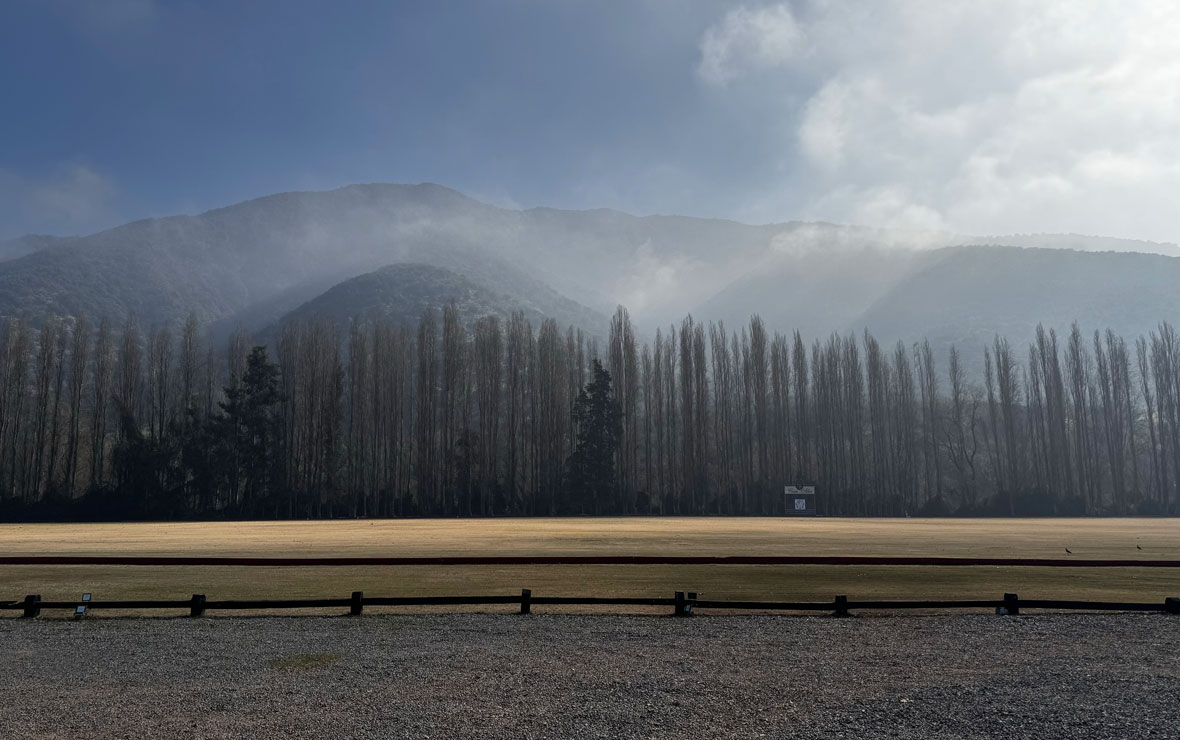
(683,604)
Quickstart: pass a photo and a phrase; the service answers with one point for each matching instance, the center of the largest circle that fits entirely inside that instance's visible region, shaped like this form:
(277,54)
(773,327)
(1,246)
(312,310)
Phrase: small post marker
(841,605)
(692,600)
(1012,604)
(358,603)
(32,606)
(681,604)
(1172,605)
(526,601)
(80,610)
(197,609)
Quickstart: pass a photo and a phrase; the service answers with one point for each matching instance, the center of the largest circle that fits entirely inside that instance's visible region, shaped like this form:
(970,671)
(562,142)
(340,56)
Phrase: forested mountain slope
(13,248)
(965,296)
(232,263)
(400,293)
(249,264)
(225,260)
(955,295)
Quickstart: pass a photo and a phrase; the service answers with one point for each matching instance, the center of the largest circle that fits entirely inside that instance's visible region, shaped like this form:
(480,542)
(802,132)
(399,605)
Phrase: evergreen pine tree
(591,476)
(252,431)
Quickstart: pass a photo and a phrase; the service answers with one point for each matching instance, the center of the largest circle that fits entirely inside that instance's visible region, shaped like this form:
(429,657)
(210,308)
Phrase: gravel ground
(558,676)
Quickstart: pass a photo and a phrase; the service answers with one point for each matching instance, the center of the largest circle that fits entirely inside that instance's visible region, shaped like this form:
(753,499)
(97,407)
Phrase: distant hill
(232,264)
(223,261)
(966,296)
(253,263)
(403,291)
(961,296)
(19,247)
(817,292)
(1077,242)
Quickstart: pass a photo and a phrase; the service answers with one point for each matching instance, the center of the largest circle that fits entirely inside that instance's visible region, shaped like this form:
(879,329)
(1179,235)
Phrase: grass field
(1038,538)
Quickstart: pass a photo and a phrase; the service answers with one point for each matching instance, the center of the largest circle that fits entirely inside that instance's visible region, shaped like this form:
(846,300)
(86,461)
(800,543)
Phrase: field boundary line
(577,560)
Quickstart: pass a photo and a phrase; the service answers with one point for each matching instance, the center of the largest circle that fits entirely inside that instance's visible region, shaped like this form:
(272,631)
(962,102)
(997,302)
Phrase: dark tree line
(453,417)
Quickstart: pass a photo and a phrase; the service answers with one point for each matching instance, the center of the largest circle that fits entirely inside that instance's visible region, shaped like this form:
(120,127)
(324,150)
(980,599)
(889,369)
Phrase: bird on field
(1138,547)
(1069,551)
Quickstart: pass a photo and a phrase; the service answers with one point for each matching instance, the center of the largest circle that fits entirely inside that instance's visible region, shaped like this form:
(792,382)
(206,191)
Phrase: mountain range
(398,249)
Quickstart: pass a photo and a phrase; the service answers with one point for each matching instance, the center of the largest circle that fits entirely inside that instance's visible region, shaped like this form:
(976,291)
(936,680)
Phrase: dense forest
(460,417)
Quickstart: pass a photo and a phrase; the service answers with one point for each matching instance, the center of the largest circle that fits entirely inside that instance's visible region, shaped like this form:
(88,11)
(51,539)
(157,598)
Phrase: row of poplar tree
(493,417)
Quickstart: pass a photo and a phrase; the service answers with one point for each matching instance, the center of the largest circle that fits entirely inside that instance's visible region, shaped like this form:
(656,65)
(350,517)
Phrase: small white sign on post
(800,500)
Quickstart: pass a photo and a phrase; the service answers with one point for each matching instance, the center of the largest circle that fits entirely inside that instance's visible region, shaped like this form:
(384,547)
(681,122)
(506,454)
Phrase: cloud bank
(1009,116)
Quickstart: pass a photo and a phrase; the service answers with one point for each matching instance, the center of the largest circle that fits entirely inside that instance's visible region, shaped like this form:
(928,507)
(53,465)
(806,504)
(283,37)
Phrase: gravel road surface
(566,676)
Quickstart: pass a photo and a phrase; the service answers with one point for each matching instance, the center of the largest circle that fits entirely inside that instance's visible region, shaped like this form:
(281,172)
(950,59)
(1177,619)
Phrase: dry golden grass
(1087,538)
(1044,538)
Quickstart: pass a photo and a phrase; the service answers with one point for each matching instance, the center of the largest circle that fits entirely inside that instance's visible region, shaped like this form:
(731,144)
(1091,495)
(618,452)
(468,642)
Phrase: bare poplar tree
(489,358)
(189,364)
(160,377)
(104,373)
(516,375)
(962,440)
(425,415)
(359,432)
(906,413)
(624,369)
(79,368)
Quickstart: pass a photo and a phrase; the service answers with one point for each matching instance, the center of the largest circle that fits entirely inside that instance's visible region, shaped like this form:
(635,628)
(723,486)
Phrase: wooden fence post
(841,605)
(197,609)
(680,605)
(526,601)
(32,606)
(1172,605)
(358,603)
(1012,604)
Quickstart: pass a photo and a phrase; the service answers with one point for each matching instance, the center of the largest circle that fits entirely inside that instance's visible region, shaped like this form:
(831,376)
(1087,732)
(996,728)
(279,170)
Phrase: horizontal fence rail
(579,560)
(683,603)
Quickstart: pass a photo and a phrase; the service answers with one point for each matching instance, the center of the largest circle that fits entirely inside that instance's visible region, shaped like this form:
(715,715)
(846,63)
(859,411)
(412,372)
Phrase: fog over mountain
(729,244)
(253,263)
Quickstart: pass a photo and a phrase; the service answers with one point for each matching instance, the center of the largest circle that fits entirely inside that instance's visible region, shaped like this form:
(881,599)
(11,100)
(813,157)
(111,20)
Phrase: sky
(1009,116)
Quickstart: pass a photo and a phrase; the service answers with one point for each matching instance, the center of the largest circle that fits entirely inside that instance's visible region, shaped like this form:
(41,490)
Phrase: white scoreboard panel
(800,500)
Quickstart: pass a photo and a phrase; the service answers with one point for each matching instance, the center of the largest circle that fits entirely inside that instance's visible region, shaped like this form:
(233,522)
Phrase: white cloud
(1012,115)
(748,39)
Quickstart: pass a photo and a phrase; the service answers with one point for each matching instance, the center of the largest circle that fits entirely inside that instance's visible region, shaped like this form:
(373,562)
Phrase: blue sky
(986,120)
(183,106)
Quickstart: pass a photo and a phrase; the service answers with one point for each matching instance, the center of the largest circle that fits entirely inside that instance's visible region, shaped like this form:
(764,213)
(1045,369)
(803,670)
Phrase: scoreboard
(800,500)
